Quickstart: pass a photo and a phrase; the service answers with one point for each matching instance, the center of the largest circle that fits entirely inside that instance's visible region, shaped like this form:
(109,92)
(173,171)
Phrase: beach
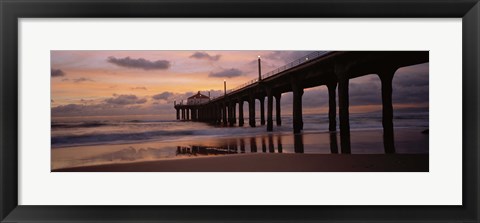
(261,152)
(274,163)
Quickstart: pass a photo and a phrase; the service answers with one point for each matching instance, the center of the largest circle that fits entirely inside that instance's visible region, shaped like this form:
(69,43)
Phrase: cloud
(368,93)
(139,88)
(162,96)
(125,100)
(410,85)
(412,76)
(57,73)
(314,98)
(82,79)
(203,55)
(228,73)
(105,109)
(87,101)
(67,109)
(140,63)
(85,109)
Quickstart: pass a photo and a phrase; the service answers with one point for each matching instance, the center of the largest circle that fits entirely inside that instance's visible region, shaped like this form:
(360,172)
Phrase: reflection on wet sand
(253,145)
(264,146)
(203,150)
(408,142)
(129,154)
(333,143)
(228,146)
(298,142)
(242,145)
(279,144)
(231,147)
(271,147)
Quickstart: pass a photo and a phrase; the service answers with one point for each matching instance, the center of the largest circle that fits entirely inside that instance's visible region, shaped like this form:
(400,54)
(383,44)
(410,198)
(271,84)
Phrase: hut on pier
(198,98)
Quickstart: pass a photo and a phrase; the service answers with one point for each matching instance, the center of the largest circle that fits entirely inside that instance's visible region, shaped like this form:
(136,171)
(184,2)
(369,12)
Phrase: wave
(111,137)
(89,124)
(106,138)
(147,121)
(78,125)
(134,130)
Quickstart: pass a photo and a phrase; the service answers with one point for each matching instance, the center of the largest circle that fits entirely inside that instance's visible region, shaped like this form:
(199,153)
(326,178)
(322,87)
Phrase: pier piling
(262,110)
(269,110)
(386,78)
(297,107)
(251,111)
(332,106)
(240,113)
(278,109)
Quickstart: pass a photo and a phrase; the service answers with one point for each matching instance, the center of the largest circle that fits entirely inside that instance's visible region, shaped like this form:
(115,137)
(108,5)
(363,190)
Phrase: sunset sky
(103,83)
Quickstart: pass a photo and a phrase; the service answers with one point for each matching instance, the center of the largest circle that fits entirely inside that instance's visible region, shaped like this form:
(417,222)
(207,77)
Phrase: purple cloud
(82,79)
(140,63)
(228,73)
(139,88)
(125,100)
(162,96)
(203,55)
(56,73)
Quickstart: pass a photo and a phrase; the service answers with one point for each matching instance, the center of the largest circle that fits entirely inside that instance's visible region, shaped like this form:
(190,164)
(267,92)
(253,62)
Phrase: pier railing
(299,61)
(295,63)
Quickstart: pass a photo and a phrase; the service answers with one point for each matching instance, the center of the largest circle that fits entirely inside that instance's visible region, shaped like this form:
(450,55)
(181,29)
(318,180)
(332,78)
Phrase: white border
(441,186)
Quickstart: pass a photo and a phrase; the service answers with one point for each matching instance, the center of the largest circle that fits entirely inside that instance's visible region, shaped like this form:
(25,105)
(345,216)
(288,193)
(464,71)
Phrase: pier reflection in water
(268,143)
(253,145)
(298,142)
(242,145)
(264,145)
(279,144)
(333,143)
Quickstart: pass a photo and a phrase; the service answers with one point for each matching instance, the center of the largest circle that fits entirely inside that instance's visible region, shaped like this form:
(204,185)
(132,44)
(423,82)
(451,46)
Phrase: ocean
(66,132)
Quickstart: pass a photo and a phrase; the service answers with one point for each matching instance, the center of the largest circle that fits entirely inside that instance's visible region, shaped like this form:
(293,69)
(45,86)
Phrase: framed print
(239,111)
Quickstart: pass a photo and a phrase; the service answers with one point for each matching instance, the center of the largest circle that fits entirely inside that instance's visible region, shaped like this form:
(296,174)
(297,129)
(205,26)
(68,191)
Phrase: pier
(333,69)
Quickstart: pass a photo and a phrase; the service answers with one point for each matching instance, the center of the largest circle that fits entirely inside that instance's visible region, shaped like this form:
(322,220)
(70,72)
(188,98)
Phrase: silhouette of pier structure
(333,69)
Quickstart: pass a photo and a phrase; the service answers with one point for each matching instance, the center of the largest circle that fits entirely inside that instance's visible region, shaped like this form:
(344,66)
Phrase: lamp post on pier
(225,106)
(259,68)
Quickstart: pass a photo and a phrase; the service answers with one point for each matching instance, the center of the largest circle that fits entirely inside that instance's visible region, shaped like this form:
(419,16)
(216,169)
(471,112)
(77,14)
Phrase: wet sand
(260,153)
(275,163)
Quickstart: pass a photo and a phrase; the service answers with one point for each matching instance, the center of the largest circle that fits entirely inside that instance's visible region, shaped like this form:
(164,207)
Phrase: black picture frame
(12,10)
